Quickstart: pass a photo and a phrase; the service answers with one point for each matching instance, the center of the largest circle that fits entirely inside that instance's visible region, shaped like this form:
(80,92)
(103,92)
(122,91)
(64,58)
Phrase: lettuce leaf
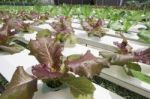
(5,34)
(7,43)
(18,25)
(44,72)
(124,47)
(80,87)
(47,51)
(86,65)
(22,86)
(32,15)
(142,56)
(63,26)
(64,31)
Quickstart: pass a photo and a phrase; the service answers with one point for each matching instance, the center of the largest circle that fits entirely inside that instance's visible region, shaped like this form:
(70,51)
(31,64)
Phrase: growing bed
(87,28)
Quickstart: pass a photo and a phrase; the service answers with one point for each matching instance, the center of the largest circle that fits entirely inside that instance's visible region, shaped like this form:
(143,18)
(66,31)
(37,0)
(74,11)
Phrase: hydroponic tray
(130,36)
(105,42)
(114,74)
(10,62)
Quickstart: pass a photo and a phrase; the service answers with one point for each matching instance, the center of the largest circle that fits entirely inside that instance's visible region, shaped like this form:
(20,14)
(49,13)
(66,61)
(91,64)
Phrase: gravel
(127,94)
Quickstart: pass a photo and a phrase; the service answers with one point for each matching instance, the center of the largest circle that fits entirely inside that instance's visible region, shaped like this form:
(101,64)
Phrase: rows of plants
(54,68)
(118,20)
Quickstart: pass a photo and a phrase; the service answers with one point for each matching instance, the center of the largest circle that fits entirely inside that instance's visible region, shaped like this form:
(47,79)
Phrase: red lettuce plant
(54,70)
(4,15)
(86,65)
(7,38)
(129,62)
(27,16)
(142,56)
(124,47)
(93,27)
(32,15)
(18,25)
(64,31)
(129,59)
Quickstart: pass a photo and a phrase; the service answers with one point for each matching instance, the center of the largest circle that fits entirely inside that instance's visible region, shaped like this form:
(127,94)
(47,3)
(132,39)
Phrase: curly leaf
(124,47)
(27,16)
(64,31)
(43,72)
(142,56)
(18,25)
(93,27)
(47,51)
(87,65)
(86,26)
(22,86)
(63,26)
